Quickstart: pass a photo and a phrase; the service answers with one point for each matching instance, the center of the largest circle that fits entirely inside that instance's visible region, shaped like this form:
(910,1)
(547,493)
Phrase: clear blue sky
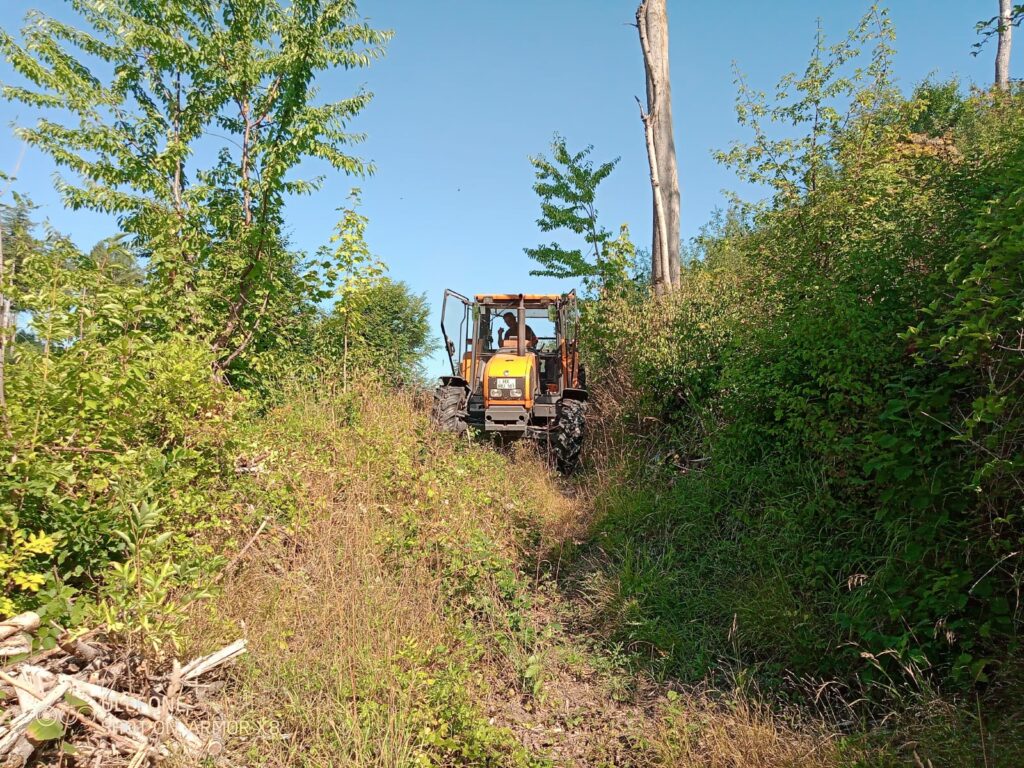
(468,90)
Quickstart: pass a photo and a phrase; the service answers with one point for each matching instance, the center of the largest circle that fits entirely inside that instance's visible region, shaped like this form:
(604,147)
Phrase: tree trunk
(5,323)
(652,24)
(659,250)
(1005,40)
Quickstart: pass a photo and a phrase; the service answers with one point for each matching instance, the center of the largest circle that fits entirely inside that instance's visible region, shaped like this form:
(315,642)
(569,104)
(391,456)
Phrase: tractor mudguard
(454,381)
(572,393)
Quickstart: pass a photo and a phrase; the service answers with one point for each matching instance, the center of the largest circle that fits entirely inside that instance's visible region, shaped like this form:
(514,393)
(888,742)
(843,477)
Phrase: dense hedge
(835,389)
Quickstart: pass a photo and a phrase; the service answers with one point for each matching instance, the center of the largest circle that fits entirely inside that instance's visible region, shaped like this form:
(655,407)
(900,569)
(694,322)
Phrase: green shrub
(835,391)
(106,410)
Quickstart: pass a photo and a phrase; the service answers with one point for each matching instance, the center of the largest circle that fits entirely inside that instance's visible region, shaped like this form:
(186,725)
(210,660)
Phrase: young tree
(16,242)
(385,327)
(356,268)
(6,317)
(842,84)
(192,139)
(652,24)
(567,186)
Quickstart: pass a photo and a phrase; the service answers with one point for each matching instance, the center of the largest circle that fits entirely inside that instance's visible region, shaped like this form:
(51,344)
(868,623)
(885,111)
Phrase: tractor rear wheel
(447,410)
(569,436)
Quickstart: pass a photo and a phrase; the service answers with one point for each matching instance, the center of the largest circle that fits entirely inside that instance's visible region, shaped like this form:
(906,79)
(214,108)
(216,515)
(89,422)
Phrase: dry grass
(325,616)
(385,621)
(348,611)
(706,731)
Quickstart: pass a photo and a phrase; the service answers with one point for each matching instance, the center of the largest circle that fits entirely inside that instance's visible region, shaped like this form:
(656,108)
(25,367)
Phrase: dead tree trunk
(1005,40)
(659,251)
(6,277)
(652,25)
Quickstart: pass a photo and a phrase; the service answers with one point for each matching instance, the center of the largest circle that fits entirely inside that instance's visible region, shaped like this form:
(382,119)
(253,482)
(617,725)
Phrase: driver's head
(510,319)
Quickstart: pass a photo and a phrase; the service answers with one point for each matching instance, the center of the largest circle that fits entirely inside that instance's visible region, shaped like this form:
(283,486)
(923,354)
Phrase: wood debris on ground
(87,702)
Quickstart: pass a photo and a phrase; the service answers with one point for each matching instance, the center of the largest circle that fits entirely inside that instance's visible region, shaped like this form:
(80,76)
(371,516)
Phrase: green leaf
(45,729)
(77,704)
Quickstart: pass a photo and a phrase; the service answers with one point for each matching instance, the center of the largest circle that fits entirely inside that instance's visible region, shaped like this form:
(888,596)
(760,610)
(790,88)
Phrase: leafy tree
(192,139)
(355,270)
(834,91)
(941,108)
(16,241)
(386,330)
(567,186)
(113,253)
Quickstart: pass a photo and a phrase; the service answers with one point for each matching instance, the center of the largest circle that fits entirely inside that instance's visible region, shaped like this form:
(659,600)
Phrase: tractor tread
(447,411)
(569,435)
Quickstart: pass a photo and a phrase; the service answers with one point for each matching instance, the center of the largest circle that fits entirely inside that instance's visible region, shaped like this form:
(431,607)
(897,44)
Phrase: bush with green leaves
(186,122)
(383,328)
(835,390)
(103,411)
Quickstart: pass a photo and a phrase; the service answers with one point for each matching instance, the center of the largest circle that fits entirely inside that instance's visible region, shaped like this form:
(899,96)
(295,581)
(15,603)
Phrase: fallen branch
(18,725)
(134,723)
(23,622)
(201,666)
(127,745)
(114,724)
(23,688)
(16,645)
(179,730)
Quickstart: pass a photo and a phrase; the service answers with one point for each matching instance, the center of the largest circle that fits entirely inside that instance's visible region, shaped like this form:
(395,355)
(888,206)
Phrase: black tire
(569,435)
(447,412)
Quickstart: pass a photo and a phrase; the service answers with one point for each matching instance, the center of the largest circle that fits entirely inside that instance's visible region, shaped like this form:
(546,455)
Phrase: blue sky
(468,90)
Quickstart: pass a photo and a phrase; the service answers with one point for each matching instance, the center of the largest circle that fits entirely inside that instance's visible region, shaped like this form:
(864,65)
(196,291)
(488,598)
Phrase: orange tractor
(510,380)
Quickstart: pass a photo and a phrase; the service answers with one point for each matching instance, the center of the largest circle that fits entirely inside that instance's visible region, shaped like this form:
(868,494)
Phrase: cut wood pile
(86,702)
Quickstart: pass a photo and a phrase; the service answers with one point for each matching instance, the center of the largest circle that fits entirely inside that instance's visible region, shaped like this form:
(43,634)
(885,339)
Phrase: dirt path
(413,610)
(573,703)
(570,698)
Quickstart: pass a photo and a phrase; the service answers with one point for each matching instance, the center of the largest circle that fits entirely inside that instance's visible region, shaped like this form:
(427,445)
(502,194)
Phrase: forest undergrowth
(418,601)
(798,535)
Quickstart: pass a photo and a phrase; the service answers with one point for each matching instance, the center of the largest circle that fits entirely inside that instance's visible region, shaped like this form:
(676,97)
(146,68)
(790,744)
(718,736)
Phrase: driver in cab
(513,331)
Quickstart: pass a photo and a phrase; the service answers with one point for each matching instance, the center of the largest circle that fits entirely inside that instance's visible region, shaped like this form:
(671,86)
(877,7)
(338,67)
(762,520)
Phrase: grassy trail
(409,608)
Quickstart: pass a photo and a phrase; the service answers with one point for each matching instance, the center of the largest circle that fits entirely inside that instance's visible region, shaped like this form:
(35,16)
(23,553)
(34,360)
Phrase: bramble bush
(834,394)
(105,411)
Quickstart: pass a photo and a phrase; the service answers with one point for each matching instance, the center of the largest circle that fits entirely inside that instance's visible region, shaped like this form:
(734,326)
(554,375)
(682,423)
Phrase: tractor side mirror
(451,347)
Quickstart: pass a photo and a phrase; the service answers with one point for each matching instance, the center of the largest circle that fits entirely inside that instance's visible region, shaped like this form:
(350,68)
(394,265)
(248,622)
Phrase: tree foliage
(103,409)
(833,392)
(388,332)
(567,186)
(190,123)
(840,85)
(990,27)
(186,120)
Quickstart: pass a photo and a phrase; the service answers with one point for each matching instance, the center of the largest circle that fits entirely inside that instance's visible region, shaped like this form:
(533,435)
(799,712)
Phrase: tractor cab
(514,364)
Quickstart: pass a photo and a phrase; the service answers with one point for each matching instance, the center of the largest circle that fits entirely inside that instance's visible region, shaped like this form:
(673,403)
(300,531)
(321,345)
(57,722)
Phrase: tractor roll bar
(521,327)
